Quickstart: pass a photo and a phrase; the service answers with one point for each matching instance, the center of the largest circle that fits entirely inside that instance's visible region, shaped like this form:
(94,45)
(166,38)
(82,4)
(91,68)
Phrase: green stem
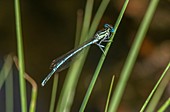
(54,91)
(158,90)
(34,87)
(68,90)
(21,57)
(5,70)
(130,61)
(86,21)
(9,92)
(165,106)
(110,91)
(33,100)
(78,26)
(91,86)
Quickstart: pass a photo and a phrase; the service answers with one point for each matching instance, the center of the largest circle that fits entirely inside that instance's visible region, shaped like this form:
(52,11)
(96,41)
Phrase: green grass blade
(74,72)
(5,70)
(158,90)
(98,17)
(21,57)
(110,91)
(68,90)
(165,106)
(34,87)
(78,26)
(33,100)
(33,93)
(87,19)
(9,92)
(130,61)
(90,88)
(54,92)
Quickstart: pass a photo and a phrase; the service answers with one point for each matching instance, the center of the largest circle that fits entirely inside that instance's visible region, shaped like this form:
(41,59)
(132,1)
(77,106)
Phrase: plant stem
(130,61)
(164,106)
(21,57)
(5,70)
(101,61)
(110,91)
(54,91)
(68,90)
(9,92)
(158,90)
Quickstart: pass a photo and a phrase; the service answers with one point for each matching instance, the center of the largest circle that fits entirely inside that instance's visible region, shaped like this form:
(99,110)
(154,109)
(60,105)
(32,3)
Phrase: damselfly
(59,64)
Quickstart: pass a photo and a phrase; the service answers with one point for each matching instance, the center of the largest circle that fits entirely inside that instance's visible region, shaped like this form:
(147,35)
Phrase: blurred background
(49,31)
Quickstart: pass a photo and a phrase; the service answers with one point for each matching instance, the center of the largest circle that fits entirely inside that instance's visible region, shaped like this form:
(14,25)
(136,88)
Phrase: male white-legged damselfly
(59,64)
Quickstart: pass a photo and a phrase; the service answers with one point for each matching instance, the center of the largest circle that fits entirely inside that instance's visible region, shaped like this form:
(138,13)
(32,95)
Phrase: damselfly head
(111,29)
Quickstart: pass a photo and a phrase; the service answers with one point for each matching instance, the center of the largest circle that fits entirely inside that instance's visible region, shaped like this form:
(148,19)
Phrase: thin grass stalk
(33,100)
(130,61)
(165,106)
(68,90)
(90,88)
(159,89)
(33,93)
(97,17)
(5,70)
(9,92)
(87,20)
(74,72)
(33,84)
(54,92)
(23,95)
(110,91)
(78,26)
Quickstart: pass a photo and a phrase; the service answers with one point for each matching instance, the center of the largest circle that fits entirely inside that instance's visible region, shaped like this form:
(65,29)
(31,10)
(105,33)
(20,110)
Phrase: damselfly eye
(112,30)
(106,25)
(109,26)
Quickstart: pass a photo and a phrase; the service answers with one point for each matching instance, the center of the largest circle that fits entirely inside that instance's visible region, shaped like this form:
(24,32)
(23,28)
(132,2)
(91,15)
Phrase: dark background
(49,31)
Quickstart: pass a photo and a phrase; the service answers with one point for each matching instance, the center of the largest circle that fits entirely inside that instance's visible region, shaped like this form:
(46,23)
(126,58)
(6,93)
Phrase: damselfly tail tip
(48,77)
(43,82)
